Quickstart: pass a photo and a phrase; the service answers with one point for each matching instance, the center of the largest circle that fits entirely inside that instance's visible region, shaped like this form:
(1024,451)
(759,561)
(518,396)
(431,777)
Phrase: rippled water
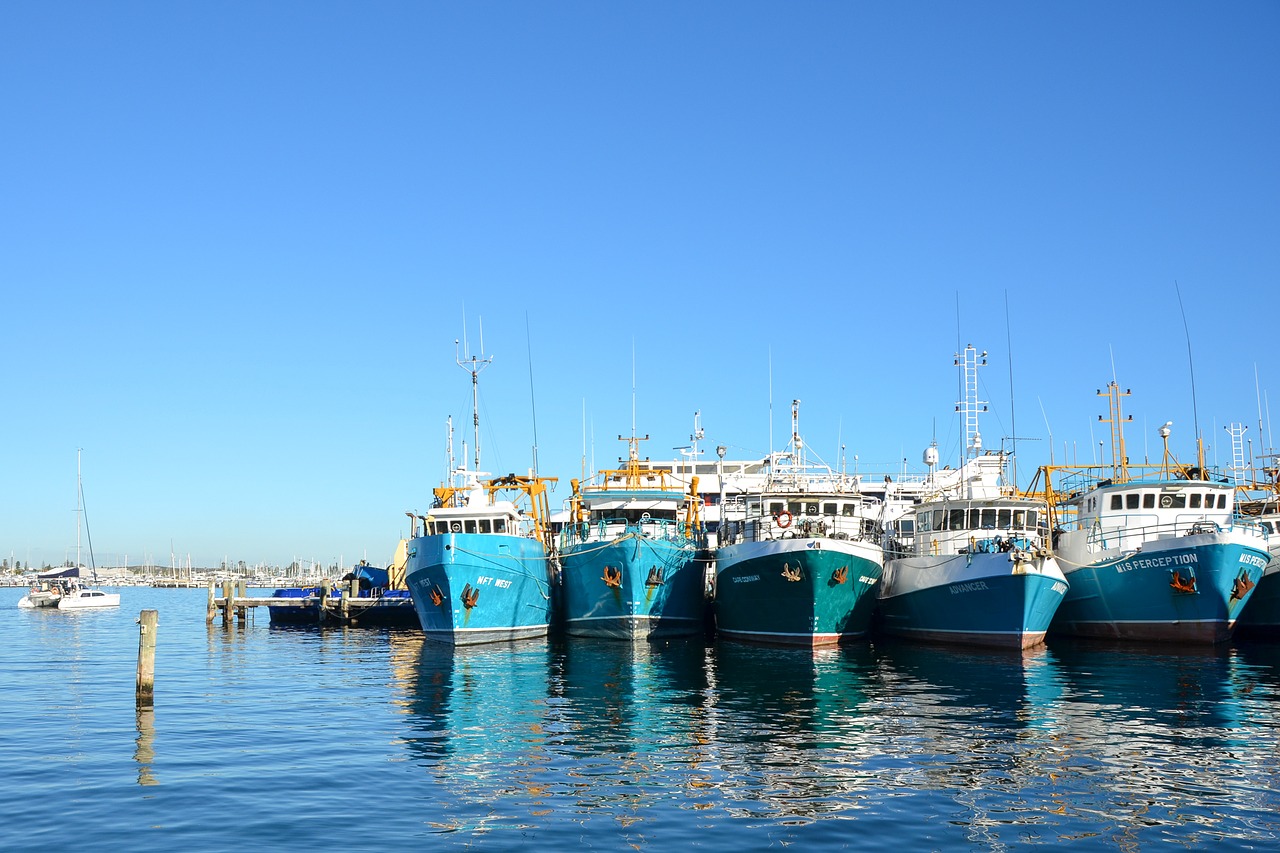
(358,739)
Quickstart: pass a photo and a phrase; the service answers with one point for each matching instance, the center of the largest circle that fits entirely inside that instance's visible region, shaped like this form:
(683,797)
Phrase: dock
(343,609)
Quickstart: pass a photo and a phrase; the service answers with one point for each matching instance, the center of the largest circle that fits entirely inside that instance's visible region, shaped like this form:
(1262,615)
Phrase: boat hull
(1188,589)
(475,588)
(796,592)
(634,587)
(983,599)
(87,599)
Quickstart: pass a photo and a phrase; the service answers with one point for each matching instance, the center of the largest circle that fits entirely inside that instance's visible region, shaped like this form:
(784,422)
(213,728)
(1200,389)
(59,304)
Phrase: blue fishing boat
(799,557)
(631,555)
(1152,552)
(972,566)
(970,562)
(481,568)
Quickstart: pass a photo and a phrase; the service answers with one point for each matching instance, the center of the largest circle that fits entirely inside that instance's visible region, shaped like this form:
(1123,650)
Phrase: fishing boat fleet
(786,550)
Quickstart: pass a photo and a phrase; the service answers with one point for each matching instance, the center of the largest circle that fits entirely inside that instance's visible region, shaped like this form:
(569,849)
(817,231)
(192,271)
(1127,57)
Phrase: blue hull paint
(1001,610)
(508,575)
(1133,598)
(634,608)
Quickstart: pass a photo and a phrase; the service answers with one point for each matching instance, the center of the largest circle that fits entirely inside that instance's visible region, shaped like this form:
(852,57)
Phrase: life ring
(783,519)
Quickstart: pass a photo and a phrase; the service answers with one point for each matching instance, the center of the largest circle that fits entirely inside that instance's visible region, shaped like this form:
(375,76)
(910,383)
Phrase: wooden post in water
(226,602)
(353,592)
(324,598)
(148,620)
(212,611)
(241,593)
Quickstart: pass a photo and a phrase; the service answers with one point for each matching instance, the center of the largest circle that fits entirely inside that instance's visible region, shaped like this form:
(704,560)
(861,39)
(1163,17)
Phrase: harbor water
(372,739)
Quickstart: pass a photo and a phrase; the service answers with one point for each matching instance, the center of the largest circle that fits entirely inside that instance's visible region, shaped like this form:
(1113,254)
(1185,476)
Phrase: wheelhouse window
(486,526)
(1004,519)
(776,507)
(1195,500)
(1131,500)
(1175,501)
(955,519)
(1149,500)
(499,525)
(1222,501)
(1117,502)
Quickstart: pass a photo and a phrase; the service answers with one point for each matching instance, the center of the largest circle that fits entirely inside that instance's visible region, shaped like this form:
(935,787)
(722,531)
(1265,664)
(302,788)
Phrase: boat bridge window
(1117,502)
(1222,501)
(803,507)
(776,507)
(499,525)
(829,509)
(1176,501)
(955,519)
(848,510)
(1195,500)
(1131,500)
(486,526)
(1149,500)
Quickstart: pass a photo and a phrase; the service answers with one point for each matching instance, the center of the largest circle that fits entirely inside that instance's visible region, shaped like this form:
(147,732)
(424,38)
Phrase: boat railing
(605,529)
(1128,534)
(765,528)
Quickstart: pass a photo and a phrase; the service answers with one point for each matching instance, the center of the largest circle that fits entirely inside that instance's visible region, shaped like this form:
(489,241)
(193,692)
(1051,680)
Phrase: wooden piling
(148,621)
(226,602)
(242,592)
(213,609)
(324,598)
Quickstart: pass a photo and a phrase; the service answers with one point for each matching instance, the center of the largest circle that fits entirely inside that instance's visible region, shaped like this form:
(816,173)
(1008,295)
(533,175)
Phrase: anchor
(612,576)
(470,596)
(840,575)
(1241,587)
(789,573)
(437,598)
(655,577)
(1186,587)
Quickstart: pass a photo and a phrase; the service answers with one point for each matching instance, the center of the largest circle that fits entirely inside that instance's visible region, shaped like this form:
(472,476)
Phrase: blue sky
(238,241)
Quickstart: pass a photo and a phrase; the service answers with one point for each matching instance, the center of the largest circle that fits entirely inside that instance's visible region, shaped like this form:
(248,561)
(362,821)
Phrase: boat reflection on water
(971,687)
(641,699)
(481,709)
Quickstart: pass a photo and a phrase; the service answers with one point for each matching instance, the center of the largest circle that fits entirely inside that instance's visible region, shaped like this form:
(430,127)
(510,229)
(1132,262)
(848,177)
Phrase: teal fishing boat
(798,558)
(631,555)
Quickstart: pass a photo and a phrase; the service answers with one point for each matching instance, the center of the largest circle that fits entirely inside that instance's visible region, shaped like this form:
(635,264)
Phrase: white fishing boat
(970,563)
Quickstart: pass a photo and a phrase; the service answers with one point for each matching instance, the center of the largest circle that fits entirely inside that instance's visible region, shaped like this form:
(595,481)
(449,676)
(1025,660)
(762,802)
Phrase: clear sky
(239,239)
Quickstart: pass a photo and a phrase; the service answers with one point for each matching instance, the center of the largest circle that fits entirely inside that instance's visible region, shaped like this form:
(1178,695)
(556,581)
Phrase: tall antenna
(633,388)
(1195,416)
(473,365)
(1013,410)
(533,405)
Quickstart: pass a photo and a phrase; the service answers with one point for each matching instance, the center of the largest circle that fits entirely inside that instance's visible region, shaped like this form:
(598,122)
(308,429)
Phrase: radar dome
(931,456)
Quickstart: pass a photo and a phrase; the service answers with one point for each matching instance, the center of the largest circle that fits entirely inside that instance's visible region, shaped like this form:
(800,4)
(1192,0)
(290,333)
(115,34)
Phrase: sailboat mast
(79,507)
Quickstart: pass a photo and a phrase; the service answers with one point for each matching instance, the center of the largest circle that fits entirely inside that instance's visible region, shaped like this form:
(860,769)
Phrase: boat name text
(747,579)
(1253,560)
(1157,562)
(972,586)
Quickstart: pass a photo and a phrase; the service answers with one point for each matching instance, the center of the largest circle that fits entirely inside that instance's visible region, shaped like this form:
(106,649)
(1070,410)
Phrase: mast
(970,406)
(473,365)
